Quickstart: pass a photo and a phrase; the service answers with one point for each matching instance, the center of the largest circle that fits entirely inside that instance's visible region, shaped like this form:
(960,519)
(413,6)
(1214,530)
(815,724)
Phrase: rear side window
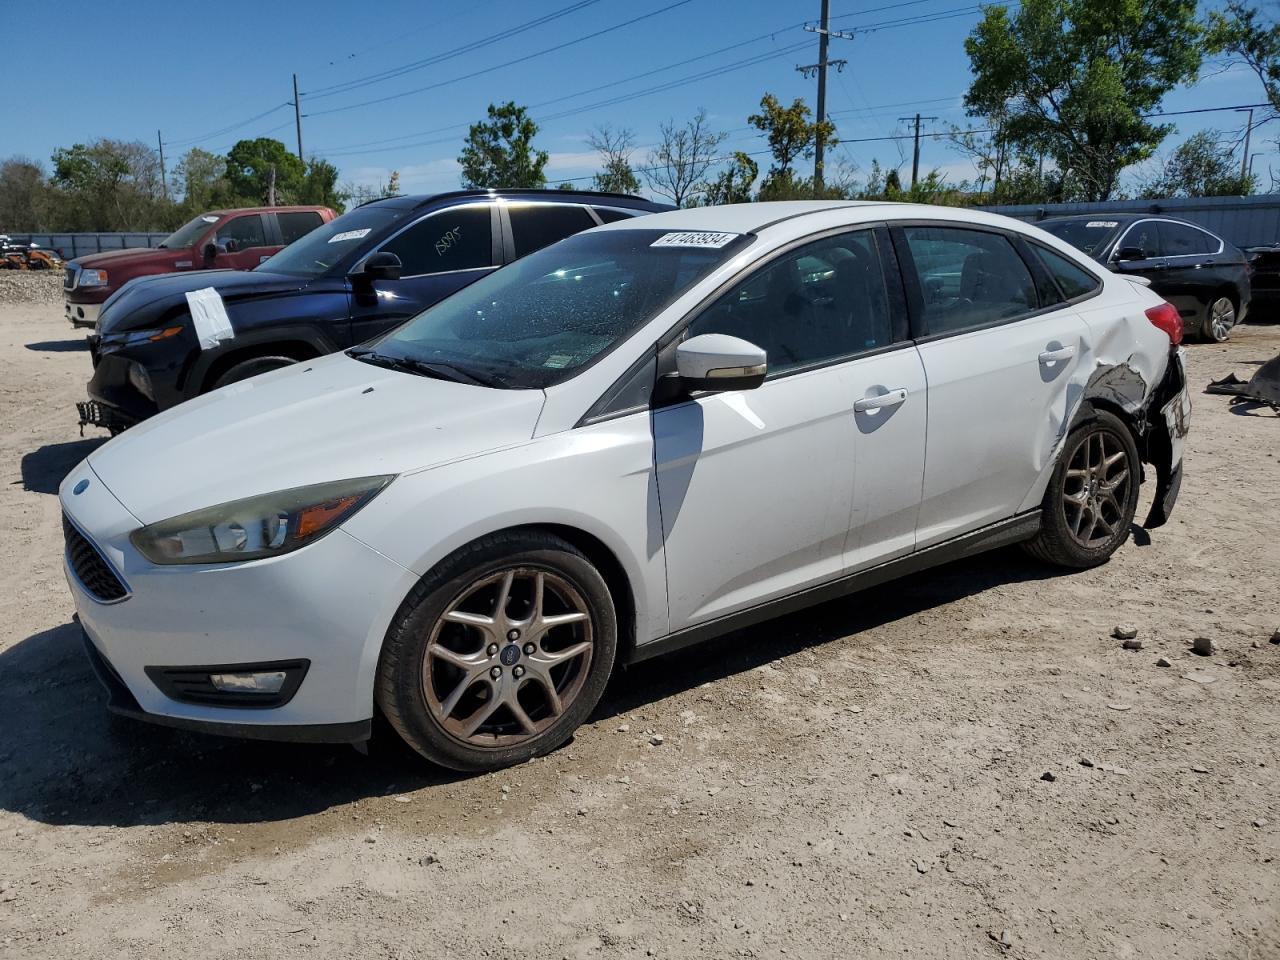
(968,278)
(1179,240)
(243,233)
(611,214)
(460,238)
(298,224)
(536,226)
(1072,280)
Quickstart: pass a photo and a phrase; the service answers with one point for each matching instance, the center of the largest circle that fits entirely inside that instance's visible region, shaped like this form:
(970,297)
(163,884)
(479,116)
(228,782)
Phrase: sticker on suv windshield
(1107,224)
(350,235)
(694,238)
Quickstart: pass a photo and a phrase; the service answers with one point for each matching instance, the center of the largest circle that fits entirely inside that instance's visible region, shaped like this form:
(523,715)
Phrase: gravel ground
(30,286)
(961,764)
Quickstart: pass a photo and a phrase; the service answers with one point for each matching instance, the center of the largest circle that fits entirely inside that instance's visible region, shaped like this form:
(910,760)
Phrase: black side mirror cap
(1131,253)
(382,265)
(210,252)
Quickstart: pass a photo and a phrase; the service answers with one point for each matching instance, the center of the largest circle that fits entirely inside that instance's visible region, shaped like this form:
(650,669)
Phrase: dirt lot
(864,780)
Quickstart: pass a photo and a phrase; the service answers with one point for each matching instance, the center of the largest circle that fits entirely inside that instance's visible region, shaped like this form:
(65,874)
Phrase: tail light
(1166,317)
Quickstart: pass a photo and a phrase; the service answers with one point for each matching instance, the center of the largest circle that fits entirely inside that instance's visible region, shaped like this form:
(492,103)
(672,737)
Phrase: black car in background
(1205,277)
(344,283)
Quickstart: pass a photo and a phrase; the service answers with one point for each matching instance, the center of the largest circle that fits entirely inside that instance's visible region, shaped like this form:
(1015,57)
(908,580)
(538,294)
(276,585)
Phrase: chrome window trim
(1115,247)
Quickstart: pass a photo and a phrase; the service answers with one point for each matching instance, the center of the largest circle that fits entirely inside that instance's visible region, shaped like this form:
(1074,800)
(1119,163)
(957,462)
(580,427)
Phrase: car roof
(602,198)
(290,208)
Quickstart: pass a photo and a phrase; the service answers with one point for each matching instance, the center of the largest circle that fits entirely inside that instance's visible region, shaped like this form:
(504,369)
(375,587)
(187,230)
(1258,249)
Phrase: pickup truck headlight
(257,527)
(92,278)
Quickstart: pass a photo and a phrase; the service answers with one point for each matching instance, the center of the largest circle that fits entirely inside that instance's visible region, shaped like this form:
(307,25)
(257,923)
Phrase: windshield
(317,251)
(539,320)
(186,235)
(1089,236)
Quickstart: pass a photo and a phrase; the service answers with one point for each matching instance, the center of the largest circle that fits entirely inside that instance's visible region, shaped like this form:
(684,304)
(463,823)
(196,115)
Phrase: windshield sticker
(558,361)
(209,317)
(1105,224)
(694,238)
(350,235)
(210,219)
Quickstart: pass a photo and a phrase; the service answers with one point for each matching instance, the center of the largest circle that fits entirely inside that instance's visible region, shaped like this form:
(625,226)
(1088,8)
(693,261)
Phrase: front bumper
(328,604)
(82,314)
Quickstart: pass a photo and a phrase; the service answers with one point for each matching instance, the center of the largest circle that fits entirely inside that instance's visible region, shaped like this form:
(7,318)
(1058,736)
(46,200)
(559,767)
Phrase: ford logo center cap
(81,487)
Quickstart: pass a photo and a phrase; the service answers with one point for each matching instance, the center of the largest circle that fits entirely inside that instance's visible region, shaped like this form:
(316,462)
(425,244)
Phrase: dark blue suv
(164,339)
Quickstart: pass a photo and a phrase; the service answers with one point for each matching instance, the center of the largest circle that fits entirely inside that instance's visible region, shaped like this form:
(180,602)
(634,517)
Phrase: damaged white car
(642,436)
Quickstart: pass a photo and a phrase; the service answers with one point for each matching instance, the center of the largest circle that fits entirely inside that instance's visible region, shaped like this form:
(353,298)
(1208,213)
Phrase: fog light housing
(250,685)
(141,380)
(267,681)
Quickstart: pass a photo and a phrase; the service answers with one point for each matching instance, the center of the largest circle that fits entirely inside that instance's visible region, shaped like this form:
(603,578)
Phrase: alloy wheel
(1096,488)
(1222,317)
(509,655)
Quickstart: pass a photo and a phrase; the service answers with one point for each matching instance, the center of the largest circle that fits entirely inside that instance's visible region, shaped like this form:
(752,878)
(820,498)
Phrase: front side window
(539,225)
(459,238)
(242,233)
(1142,237)
(968,278)
(1072,280)
(541,319)
(818,303)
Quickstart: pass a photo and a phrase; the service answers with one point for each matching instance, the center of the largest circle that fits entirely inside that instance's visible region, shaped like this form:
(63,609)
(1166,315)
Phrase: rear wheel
(1219,319)
(251,368)
(1089,504)
(500,653)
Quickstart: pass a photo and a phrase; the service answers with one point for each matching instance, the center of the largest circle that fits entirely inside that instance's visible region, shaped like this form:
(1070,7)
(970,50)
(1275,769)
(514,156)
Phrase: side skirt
(1002,534)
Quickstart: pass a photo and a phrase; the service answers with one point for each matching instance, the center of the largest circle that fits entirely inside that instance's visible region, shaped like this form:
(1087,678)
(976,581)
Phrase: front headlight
(92,278)
(262,526)
(131,338)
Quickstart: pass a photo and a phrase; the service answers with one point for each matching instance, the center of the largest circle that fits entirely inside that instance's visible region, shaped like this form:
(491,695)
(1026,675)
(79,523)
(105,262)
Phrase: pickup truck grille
(69,277)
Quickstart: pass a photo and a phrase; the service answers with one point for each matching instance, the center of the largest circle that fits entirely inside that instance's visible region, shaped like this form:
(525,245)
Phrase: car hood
(329,419)
(131,256)
(147,300)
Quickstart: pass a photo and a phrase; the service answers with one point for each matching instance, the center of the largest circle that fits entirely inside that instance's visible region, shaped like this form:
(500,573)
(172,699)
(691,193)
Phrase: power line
(227,129)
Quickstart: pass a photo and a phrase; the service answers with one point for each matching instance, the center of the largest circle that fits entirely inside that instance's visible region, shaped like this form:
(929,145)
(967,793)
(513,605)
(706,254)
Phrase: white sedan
(645,435)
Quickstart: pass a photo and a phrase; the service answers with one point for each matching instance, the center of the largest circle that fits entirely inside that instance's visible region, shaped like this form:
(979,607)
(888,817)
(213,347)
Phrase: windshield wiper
(424,368)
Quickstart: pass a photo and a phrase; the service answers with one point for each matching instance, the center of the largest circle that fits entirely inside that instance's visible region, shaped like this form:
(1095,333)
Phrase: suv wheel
(251,368)
(499,653)
(1089,504)
(1219,318)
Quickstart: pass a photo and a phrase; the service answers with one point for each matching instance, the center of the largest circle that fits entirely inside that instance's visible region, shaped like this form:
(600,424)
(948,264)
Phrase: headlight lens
(262,526)
(92,278)
(131,338)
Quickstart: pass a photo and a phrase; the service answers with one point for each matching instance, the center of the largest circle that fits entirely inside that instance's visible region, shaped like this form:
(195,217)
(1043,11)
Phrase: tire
(436,682)
(1107,500)
(251,368)
(1219,319)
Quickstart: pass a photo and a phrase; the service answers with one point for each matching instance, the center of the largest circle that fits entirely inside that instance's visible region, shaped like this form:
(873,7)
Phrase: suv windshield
(1088,236)
(317,251)
(186,235)
(540,320)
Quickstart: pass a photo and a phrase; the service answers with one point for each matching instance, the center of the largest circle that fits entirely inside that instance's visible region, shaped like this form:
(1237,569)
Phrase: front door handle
(890,398)
(1054,356)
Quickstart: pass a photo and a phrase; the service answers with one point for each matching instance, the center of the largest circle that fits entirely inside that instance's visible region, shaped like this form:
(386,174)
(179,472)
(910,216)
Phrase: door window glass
(1073,280)
(242,233)
(536,226)
(297,224)
(460,238)
(1179,240)
(968,277)
(1144,237)
(820,302)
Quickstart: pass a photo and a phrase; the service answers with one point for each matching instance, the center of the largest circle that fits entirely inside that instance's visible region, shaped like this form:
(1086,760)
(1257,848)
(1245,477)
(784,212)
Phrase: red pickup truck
(219,239)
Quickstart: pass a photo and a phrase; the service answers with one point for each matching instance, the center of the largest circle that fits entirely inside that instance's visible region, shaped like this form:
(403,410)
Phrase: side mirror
(210,252)
(1131,253)
(718,362)
(382,265)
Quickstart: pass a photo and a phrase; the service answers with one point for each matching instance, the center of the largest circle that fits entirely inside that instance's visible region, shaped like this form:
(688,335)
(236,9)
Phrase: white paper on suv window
(350,235)
(209,317)
(1101,223)
(694,238)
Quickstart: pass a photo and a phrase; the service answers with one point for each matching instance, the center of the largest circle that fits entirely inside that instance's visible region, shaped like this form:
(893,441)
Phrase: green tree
(202,177)
(615,148)
(1073,78)
(1245,36)
(499,152)
(24,196)
(1200,168)
(258,168)
(734,183)
(320,185)
(791,135)
(110,185)
(677,167)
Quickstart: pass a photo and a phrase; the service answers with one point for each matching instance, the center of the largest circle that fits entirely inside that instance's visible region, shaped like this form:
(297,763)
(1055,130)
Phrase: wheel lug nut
(496,672)
(517,672)
(528,649)
(492,649)
(513,635)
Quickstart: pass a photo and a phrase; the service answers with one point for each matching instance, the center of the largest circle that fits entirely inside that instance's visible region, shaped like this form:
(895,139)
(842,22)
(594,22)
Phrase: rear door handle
(889,399)
(1054,356)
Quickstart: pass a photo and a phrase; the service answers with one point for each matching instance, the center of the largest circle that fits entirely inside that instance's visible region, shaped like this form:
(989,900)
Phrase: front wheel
(251,368)
(1219,319)
(1092,496)
(499,653)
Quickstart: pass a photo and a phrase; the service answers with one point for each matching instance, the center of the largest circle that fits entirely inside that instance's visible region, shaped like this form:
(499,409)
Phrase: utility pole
(164,178)
(915,159)
(1244,160)
(297,114)
(820,68)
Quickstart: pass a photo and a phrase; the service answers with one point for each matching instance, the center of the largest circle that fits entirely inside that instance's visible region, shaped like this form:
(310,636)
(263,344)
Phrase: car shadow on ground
(44,469)
(64,760)
(59,346)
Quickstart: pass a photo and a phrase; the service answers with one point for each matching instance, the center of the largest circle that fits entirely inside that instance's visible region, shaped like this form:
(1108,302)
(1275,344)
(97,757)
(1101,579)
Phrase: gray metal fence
(72,245)
(1244,221)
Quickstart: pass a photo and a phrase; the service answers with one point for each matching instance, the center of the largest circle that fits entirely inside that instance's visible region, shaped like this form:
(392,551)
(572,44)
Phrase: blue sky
(102,72)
